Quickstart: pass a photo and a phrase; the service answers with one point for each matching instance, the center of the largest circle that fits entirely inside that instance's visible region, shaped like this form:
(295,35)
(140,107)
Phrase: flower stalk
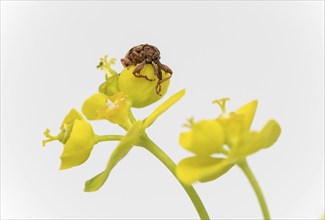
(258,191)
(149,145)
(102,138)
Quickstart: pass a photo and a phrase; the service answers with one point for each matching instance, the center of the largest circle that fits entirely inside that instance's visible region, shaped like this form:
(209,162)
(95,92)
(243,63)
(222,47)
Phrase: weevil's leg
(139,67)
(137,70)
(159,75)
(136,56)
(126,62)
(158,88)
(165,79)
(155,68)
(166,69)
(143,76)
(160,81)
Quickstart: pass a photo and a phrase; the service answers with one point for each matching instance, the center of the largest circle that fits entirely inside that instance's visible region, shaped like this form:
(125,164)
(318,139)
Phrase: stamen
(112,61)
(106,66)
(111,104)
(47,134)
(51,138)
(189,123)
(46,141)
(222,103)
(64,135)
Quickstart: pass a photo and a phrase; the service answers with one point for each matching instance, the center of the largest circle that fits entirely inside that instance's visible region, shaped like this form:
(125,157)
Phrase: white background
(272,51)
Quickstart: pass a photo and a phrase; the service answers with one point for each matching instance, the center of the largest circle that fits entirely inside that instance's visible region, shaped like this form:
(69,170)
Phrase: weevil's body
(146,54)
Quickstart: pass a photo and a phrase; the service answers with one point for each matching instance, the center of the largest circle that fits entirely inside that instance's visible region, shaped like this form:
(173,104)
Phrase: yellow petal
(92,104)
(233,126)
(117,110)
(141,91)
(237,124)
(248,112)
(78,146)
(163,107)
(127,142)
(270,133)
(110,86)
(71,116)
(185,140)
(200,168)
(260,140)
(205,138)
(114,108)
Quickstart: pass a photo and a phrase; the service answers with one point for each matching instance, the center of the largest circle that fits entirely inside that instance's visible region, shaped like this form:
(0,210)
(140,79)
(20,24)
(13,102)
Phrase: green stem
(131,117)
(156,151)
(101,138)
(249,174)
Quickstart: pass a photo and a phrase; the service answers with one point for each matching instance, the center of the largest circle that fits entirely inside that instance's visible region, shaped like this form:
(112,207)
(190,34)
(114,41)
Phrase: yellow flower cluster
(116,96)
(221,143)
(218,144)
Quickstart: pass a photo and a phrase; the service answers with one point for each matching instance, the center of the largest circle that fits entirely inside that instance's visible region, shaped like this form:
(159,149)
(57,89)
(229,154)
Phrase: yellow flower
(142,92)
(78,138)
(114,108)
(221,143)
(132,138)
